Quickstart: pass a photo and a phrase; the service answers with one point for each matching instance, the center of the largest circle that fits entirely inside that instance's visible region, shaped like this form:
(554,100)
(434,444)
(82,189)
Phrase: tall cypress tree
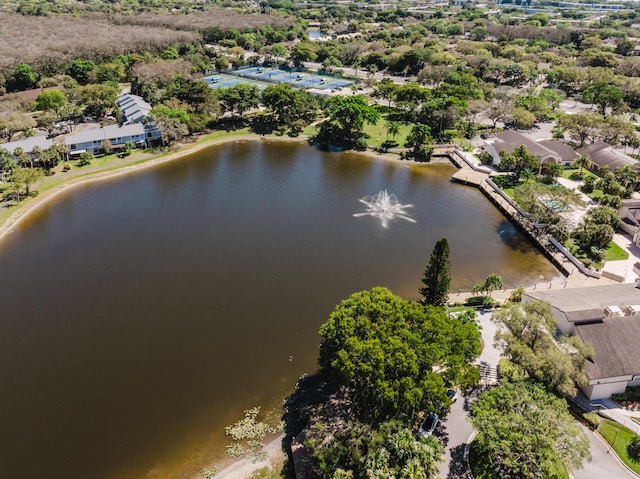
(437,275)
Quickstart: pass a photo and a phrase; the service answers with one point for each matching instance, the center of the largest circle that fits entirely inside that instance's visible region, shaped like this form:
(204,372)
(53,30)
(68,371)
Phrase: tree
(492,283)
(527,431)
(171,129)
(289,104)
(348,115)
(393,129)
(21,78)
(604,95)
(419,140)
(437,275)
(303,52)
(522,118)
(553,170)
(26,177)
(393,357)
(98,99)
(519,160)
(238,99)
(633,448)
(528,341)
(50,100)
(81,70)
(583,161)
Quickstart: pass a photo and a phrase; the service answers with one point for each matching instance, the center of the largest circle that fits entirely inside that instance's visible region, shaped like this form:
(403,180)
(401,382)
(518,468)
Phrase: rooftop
(586,304)
(603,154)
(615,342)
(28,144)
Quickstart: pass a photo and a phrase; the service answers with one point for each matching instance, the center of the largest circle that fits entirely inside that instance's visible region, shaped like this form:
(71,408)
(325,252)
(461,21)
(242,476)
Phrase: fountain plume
(386,207)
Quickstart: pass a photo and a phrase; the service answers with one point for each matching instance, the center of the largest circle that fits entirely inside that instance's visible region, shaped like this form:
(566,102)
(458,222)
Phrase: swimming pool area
(263,76)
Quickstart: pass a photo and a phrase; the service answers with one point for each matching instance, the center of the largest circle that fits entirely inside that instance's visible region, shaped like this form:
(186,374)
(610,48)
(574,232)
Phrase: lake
(141,315)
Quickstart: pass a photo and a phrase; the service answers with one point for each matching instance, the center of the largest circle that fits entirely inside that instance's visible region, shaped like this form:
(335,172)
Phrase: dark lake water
(140,315)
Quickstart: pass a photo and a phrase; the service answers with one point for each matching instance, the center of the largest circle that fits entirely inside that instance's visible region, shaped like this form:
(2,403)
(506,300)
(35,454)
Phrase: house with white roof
(608,318)
(28,144)
(134,108)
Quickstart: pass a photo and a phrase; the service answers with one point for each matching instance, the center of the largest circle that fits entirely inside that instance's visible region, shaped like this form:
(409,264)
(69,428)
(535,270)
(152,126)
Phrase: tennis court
(222,80)
(299,79)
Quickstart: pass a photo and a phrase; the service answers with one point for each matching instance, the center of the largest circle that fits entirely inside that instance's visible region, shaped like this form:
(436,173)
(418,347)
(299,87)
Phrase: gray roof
(28,144)
(134,108)
(586,304)
(603,154)
(615,342)
(509,140)
(567,153)
(110,132)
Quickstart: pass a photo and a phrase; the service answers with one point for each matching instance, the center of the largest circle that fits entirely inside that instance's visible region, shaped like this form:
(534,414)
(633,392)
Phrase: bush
(633,449)
(592,420)
(511,371)
(516,295)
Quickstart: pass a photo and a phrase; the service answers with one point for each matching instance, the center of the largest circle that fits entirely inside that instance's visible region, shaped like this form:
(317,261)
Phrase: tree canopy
(437,275)
(526,431)
(529,342)
(396,357)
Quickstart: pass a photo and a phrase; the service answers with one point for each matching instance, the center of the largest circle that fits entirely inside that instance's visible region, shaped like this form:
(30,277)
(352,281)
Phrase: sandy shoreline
(244,468)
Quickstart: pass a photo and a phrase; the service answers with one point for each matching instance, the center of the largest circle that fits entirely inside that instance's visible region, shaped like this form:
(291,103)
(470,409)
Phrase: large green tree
(348,115)
(50,100)
(395,357)
(238,99)
(527,431)
(528,339)
(437,275)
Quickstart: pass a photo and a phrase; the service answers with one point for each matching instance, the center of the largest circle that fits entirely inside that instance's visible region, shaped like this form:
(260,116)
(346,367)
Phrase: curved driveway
(455,429)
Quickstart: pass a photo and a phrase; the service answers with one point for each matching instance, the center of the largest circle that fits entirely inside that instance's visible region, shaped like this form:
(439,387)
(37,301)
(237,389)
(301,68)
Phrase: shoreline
(244,468)
(181,151)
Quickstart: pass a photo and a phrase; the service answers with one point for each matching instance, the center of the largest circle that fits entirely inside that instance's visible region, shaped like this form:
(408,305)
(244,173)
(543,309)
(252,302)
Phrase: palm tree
(554,170)
(527,175)
(393,129)
(627,177)
(583,161)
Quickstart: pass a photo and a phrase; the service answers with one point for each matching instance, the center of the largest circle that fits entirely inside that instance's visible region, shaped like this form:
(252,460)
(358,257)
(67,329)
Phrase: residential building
(28,144)
(603,154)
(545,151)
(93,140)
(608,318)
(134,108)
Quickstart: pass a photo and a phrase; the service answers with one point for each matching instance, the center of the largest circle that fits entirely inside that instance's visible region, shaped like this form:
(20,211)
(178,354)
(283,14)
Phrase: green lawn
(378,133)
(618,438)
(481,467)
(615,253)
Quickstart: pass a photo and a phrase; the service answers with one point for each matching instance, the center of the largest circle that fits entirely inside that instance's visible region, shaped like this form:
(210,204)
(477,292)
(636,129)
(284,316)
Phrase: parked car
(452,394)
(428,425)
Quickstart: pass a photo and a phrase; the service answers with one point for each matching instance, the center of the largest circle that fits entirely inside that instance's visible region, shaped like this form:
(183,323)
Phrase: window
(74,147)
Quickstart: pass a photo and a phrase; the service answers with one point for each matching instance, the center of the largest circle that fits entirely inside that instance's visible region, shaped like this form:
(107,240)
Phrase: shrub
(516,295)
(592,420)
(633,449)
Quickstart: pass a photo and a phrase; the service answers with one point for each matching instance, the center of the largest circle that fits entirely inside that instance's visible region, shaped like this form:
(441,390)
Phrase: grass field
(615,253)
(618,438)
(378,134)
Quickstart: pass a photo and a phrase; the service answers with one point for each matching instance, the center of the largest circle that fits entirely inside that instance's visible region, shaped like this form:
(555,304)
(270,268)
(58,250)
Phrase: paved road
(455,429)
(603,464)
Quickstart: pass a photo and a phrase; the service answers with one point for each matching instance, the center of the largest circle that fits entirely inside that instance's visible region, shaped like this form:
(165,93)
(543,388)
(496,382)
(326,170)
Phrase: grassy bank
(618,438)
(102,167)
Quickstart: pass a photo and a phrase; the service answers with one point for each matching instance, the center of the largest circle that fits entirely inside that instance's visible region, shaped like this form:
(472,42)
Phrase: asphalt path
(604,463)
(455,429)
